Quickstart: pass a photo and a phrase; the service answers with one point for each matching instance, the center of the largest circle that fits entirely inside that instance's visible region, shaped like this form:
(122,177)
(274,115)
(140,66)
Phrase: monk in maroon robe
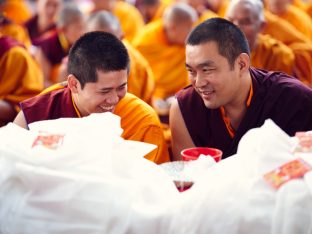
(44,21)
(228,97)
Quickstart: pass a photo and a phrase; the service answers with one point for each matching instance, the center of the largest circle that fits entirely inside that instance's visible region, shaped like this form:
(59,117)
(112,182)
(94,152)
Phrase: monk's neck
(236,110)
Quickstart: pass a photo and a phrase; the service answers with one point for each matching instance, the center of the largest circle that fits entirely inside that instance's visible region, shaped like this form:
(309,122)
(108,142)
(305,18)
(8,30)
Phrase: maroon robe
(7,43)
(276,95)
(52,105)
(52,48)
(33,30)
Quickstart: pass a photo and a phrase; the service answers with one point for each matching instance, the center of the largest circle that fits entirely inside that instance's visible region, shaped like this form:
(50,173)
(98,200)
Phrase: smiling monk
(98,68)
(228,97)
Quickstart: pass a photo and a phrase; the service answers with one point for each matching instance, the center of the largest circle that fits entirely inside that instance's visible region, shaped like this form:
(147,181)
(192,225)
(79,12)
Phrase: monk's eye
(122,87)
(208,70)
(191,72)
(104,91)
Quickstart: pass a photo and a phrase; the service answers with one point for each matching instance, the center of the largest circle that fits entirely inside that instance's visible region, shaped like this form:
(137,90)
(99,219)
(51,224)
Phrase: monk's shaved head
(178,22)
(179,13)
(254,6)
(249,17)
(106,22)
(230,39)
(68,15)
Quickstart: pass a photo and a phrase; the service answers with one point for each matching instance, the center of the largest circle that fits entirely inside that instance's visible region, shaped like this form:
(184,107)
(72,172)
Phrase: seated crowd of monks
(35,39)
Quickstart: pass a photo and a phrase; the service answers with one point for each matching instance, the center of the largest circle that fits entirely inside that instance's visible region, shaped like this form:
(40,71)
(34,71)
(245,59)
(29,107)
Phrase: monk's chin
(210,105)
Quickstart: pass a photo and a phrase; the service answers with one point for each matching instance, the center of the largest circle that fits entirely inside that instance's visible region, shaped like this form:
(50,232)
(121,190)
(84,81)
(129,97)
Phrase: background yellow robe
(17,32)
(140,123)
(299,19)
(271,54)
(282,30)
(303,62)
(141,80)
(167,61)
(130,19)
(17,11)
(20,76)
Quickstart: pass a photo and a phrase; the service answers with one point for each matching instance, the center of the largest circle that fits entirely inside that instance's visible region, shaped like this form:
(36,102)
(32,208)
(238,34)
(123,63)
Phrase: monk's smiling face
(211,75)
(100,96)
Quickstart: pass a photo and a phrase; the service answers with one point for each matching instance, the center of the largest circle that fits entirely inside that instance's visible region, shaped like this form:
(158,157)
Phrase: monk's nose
(200,81)
(113,99)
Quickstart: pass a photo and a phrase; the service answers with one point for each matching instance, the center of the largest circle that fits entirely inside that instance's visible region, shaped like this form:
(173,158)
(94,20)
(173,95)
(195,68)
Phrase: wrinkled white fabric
(108,187)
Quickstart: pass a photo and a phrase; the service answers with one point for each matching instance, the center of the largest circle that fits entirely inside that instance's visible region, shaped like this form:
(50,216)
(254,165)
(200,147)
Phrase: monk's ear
(243,62)
(73,83)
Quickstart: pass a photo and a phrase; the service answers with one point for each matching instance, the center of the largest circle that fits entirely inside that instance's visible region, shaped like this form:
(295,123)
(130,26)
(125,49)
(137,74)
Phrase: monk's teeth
(107,108)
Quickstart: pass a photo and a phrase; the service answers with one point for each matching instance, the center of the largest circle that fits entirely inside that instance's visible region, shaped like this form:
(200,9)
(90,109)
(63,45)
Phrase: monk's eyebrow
(203,64)
(109,88)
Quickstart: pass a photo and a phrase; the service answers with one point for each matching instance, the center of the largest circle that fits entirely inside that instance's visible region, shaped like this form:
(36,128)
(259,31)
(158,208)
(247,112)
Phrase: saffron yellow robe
(282,30)
(130,19)
(223,8)
(299,19)
(17,32)
(167,61)
(305,6)
(160,11)
(271,54)
(20,76)
(141,79)
(303,62)
(140,123)
(206,15)
(17,11)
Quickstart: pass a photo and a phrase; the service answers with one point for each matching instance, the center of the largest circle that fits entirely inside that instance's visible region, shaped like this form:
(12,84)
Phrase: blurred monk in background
(151,10)
(141,80)
(44,20)
(98,68)
(203,13)
(162,44)
(129,17)
(20,78)
(12,29)
(52,49)
(266,52)
(16,10)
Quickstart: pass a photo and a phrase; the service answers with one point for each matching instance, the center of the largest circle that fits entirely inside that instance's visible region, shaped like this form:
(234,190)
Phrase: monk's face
(179,32)
(49,9)
(211,75)
(247,19)
(75,29)
(103,95)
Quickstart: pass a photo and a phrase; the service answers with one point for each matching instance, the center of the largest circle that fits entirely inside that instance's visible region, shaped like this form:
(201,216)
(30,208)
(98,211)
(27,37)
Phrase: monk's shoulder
(133,107)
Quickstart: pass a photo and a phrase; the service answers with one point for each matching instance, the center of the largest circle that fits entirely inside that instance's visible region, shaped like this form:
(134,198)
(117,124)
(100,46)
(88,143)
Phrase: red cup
(193,153)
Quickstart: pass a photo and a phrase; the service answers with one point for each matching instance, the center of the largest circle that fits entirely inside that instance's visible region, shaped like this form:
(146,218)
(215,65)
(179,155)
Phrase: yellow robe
(306,6)
(223,8)
(17,32)
(20,76)
(271,54)
(299,19)
(130,19)
(17,11)
(206,15)
(167,61)
(282,30)
(303,62)
(141,79)
(159,11)
(140,123)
